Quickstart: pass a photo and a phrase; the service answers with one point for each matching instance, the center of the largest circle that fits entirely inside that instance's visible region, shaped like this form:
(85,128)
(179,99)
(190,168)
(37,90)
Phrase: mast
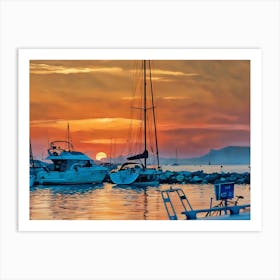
(145,114)
(154,115)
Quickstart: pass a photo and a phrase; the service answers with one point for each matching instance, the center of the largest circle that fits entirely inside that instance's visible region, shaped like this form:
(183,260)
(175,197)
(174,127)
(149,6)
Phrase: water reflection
(68,189)
(112,202)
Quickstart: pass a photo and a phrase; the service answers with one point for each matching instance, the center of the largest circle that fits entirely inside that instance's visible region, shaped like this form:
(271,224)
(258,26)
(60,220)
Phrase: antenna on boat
(154,115)
(69,142)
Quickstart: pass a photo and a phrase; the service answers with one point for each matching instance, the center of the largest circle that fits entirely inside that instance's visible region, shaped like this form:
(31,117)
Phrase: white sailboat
(134,171)
(70,167)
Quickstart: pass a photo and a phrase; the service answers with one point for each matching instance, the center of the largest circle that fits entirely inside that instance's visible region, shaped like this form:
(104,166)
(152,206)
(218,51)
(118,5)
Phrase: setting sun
(100,156)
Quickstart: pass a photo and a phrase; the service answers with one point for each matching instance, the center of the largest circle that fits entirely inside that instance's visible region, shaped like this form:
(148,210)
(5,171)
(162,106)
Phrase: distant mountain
(226,155)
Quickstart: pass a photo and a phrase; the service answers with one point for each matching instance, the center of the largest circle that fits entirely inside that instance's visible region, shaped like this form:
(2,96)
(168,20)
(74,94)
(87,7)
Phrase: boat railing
(165,194)
(232,210)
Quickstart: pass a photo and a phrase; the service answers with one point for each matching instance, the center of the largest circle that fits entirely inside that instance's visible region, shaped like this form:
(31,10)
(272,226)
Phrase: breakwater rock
(199,177)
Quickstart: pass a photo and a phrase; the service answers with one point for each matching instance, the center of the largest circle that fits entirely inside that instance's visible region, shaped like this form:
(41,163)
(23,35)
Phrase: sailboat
(69,166)
(135,171)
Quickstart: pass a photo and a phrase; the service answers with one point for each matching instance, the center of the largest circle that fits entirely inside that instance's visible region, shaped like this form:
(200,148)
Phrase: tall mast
(145,114)
(154,115)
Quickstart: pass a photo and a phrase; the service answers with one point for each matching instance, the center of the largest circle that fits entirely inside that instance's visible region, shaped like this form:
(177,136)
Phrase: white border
(254,55)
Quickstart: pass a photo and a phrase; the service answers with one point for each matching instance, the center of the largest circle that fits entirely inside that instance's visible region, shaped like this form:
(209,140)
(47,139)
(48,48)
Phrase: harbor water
(111,202)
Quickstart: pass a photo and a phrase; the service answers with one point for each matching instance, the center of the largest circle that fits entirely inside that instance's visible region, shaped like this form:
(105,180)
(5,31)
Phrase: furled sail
(139,156)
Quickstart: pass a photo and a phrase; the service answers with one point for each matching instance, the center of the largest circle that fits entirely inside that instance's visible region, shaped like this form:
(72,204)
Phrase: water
(110,202)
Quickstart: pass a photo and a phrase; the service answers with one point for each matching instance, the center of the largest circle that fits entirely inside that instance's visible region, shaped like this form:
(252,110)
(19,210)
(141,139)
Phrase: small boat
(138,173)
(69,167)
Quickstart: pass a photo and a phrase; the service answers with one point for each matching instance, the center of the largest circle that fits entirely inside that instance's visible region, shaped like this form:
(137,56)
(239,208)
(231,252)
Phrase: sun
(100,156)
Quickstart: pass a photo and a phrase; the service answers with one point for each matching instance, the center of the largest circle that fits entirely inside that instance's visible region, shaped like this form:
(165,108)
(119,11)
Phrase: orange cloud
(42,68)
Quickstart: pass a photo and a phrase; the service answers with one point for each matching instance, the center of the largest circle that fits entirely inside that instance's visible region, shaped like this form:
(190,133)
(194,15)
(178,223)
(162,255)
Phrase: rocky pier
(199,177)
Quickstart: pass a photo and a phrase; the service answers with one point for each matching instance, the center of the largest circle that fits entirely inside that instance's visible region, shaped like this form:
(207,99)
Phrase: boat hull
(71,177)
(124,177)
(147,177)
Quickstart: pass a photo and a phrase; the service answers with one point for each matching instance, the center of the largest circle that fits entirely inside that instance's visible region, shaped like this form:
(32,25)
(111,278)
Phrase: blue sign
(224,191)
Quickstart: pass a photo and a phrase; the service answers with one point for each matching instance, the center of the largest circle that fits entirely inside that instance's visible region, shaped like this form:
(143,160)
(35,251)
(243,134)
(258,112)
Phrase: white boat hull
(124,177)
(80,176)
(136,177)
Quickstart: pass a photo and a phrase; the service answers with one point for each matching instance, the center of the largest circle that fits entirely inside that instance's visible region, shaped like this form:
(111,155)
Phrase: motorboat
(69,167)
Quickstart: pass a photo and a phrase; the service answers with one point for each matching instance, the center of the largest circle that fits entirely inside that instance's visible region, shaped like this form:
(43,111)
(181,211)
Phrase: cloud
(204,126)
(172,73)
(176,98)
(42,68)
(106,141)
(87,124)
(160,75)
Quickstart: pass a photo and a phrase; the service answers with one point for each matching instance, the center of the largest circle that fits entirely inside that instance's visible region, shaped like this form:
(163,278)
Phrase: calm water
(111,202)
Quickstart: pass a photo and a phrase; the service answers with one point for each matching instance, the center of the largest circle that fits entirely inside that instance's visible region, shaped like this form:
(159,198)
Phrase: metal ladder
(169,205)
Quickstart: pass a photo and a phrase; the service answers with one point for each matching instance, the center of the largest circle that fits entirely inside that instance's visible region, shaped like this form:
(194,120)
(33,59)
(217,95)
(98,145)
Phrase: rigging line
(139,134)
(137,82)
(150,133)
(154,117)
(133,90)
(139,113)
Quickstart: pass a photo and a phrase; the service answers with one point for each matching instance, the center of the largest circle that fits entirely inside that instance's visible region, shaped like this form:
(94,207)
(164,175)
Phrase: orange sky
(199,104)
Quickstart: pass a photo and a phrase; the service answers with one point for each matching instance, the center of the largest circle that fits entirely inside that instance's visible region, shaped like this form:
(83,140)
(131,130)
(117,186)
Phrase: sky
(199,105)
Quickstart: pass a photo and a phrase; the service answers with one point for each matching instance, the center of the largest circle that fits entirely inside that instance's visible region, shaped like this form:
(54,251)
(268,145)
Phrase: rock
(232,178)
(240,181)
(211,178)
(180,178)
(247,179)
(195,179)
(186,174)
(169,174)
(163,177)
(199,177)
(197,173)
